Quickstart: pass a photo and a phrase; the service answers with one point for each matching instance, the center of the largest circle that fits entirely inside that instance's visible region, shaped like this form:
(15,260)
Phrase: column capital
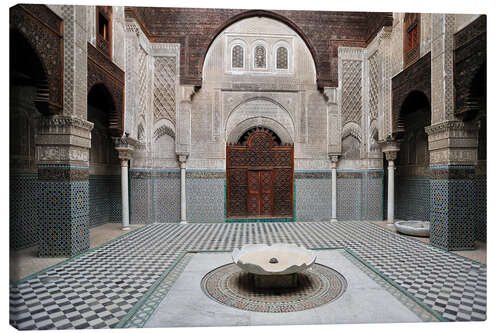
(125,146)
(453,142)
(63,139)
(390,148)
(333,160)
(391,155)
(182,158)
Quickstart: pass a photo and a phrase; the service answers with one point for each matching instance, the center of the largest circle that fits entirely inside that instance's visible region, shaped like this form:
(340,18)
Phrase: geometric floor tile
(98,288)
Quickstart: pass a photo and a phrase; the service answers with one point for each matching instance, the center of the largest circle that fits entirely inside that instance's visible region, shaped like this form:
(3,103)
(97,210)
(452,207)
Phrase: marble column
(182,164)
(125,211)
(124,146)
(333,160)
(391,156)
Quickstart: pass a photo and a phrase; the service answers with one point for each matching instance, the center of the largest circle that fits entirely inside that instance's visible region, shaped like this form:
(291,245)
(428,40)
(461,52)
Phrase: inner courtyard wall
(170,122)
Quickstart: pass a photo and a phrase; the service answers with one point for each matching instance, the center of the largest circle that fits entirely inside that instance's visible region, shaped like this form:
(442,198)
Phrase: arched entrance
(27,81)
(259,176)
(412,182)
(104,165)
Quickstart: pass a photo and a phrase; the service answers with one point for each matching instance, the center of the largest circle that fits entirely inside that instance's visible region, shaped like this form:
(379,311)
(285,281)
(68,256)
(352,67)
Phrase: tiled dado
(104,199)
(452,206)
(23,210)
(155,196)
(141,193)
(63,210)
(313,192)
(412,198)
(360,195)
(480,209)
(205,195)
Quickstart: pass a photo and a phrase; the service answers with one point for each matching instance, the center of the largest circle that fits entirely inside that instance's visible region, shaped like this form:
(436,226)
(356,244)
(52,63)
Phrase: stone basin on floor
(413,228)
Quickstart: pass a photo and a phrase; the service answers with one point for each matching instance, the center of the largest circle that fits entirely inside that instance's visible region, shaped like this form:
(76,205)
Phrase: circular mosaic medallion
(231,286)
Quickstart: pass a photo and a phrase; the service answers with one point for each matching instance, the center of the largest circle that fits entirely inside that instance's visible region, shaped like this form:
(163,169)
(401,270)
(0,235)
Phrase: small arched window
(260,57)
(237,57)
(282,58)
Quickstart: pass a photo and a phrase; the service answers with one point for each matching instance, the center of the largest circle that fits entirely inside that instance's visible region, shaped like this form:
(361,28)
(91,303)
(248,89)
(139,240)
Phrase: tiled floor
(478,254)
(26,261)
(98,288)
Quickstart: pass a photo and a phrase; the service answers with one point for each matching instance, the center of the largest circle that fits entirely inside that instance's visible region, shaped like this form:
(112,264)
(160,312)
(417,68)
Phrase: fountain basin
(413,228)
(276,259)
(273,266)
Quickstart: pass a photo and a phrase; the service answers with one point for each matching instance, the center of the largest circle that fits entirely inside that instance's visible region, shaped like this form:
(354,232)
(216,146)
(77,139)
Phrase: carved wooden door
(260,192)
(259,176)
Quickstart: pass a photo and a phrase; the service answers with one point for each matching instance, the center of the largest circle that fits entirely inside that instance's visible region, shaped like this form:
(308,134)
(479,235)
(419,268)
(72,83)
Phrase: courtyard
(146,144)
(123,281)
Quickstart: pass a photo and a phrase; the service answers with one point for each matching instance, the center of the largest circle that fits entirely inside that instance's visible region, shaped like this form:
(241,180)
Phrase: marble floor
(104,287)
(365,299)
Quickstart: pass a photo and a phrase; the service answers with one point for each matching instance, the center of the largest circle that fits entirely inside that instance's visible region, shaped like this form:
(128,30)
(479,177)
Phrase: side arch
(41,29)
(352,129)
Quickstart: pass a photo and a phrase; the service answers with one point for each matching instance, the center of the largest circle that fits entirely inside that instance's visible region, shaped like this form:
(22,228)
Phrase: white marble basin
(276,259)
(413,228)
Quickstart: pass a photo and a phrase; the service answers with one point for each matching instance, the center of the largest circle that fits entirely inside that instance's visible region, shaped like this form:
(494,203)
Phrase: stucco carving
(260,110)
(164,97)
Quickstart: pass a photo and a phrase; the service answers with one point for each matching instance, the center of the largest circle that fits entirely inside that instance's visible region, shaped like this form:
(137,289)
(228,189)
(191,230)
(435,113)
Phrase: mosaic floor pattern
(98,288)
(231,286)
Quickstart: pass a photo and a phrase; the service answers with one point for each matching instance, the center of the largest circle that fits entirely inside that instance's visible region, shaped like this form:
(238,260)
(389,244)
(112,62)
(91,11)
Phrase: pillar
(124,146)
(390,191)
(182,164)
(333,160)
(125,211)
(453,160)
(63,144)
(390,149)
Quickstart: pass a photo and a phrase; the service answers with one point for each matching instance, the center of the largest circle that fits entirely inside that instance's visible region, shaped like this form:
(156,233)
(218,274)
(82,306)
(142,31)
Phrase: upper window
(103,29)
(260,57)
(237,57)
(412,38)
(282,58)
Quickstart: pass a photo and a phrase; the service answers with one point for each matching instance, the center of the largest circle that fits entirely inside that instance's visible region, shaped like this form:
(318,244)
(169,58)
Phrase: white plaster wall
(230,97)
(118,27)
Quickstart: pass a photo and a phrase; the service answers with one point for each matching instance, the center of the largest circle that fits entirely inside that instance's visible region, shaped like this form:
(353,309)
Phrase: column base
(333,220)
(184,222)
(125,228)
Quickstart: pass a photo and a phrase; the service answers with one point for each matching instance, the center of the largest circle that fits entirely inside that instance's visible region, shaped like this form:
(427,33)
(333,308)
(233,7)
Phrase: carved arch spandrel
(42,28)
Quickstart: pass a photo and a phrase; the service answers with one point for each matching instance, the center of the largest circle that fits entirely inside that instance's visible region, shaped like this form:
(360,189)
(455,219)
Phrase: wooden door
(259,176)
(260,192)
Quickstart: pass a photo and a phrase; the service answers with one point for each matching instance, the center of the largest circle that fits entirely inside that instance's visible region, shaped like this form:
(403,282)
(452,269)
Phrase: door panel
(260,193)
(266,195)
(253,193)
